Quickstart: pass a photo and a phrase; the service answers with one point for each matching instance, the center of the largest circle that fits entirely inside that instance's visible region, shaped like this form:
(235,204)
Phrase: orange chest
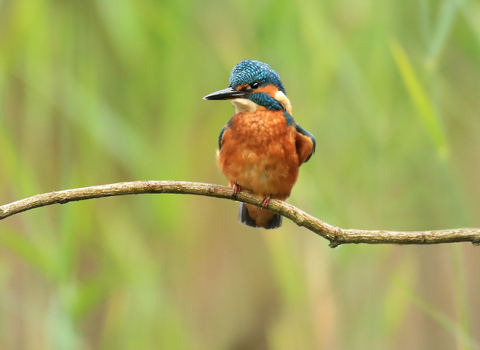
(259,153)
(261,128)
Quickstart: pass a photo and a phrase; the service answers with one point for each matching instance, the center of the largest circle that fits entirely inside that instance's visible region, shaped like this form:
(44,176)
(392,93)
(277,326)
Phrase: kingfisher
(261,147)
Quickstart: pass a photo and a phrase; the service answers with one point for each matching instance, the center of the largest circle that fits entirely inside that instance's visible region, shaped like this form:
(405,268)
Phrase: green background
(103,91)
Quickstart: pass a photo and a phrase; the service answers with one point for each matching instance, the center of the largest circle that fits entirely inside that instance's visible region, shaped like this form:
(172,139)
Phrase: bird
(261,147)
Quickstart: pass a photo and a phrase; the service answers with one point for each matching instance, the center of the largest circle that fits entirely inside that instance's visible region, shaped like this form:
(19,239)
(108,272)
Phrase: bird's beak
(226,94)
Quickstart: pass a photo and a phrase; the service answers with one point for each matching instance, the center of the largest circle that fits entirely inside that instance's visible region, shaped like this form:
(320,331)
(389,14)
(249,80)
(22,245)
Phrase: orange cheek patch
(242,87)
(269,89)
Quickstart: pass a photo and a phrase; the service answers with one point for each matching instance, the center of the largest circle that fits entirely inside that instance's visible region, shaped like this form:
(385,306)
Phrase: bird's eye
(254,85)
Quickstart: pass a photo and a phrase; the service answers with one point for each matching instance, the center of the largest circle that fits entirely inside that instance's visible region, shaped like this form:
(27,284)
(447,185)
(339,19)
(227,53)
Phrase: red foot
(266,202)
(236,189)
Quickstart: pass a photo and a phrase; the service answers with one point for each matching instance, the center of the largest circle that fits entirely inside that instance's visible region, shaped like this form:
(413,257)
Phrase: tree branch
(335,235)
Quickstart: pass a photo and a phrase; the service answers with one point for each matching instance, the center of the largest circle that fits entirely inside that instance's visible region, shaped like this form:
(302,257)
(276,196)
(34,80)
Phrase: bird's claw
(265,202)
(236,189)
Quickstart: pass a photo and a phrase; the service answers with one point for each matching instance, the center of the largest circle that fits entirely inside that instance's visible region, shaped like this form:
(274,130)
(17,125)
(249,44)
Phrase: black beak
(226,94)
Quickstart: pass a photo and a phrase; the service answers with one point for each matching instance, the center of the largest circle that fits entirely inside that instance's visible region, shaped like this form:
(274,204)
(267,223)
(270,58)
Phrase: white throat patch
(244,105)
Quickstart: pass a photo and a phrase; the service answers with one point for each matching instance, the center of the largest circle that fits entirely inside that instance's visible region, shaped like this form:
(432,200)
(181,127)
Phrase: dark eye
(254,85)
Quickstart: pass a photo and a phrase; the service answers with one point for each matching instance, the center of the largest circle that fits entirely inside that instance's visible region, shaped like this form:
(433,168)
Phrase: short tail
(275,220)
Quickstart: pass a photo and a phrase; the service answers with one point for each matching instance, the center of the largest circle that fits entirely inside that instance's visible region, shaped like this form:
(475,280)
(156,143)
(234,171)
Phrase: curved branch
(335,235)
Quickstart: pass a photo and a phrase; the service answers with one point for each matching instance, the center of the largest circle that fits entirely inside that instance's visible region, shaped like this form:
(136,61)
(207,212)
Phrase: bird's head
(254,84)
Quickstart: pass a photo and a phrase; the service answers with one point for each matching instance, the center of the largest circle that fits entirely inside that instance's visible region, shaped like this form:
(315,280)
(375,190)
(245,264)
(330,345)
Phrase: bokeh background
(103,91)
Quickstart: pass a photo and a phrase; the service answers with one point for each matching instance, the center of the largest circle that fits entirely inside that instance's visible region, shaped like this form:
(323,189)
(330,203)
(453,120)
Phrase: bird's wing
(305,143)
(220,138)
(222,133)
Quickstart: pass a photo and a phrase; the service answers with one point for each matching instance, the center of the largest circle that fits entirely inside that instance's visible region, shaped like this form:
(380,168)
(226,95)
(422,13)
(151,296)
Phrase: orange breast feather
(259,153)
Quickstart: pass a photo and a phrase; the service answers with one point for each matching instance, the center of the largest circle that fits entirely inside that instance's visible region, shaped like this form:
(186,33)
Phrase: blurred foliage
(102,91)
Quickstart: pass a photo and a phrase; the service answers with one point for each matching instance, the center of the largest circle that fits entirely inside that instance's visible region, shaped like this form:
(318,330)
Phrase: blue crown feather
(251,71)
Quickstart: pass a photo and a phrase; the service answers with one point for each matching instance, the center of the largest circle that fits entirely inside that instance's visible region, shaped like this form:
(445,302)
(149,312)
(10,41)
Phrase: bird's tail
(253,216)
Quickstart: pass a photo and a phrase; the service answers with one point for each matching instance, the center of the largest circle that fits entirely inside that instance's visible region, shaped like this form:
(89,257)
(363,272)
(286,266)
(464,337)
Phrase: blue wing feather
(220,138)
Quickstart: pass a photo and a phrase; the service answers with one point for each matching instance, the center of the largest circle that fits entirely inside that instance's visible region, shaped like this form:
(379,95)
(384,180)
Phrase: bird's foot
(236,189)
(265,202)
